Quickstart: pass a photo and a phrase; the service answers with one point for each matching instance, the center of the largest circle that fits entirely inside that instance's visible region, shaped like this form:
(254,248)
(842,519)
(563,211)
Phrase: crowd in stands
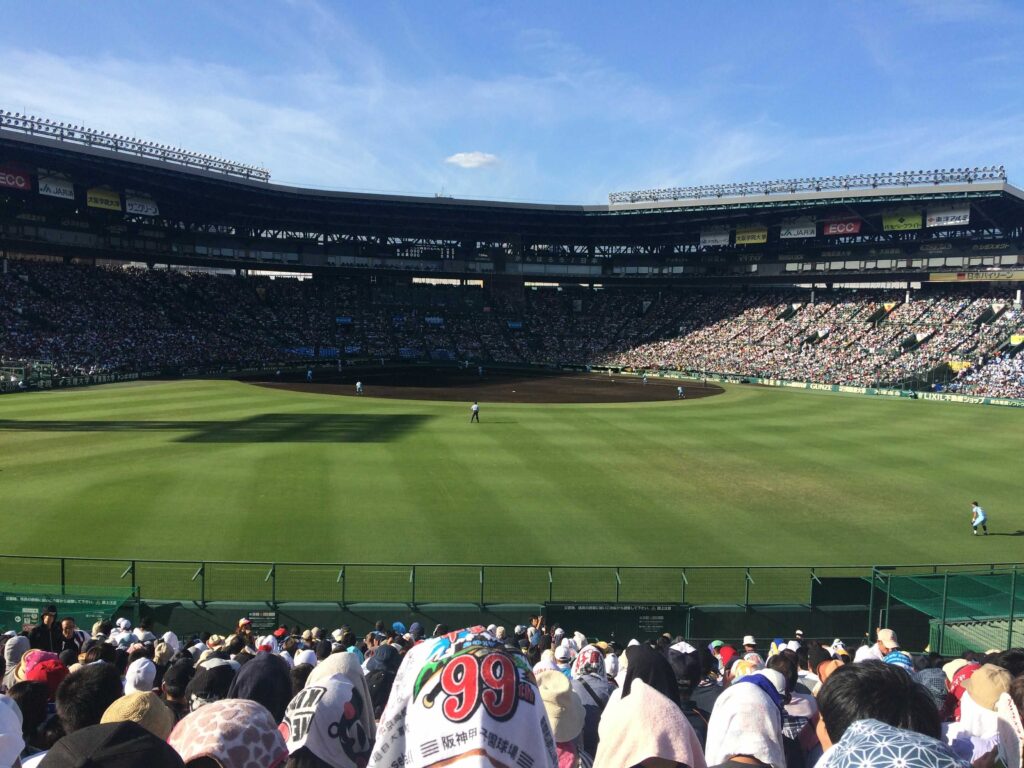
(87,319)
(530,696)
(1002,375)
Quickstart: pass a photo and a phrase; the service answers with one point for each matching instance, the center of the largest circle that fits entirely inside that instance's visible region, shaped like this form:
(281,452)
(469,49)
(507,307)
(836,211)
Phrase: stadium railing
(203,581)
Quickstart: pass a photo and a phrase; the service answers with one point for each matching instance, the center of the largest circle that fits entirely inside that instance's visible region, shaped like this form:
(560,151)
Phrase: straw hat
(564,708)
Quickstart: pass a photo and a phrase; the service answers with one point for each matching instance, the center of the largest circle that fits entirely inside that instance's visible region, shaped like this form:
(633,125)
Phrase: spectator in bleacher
(590,683)
(324,726)
(174,685)
(976,731)
(646,727)
(873,689)
(689,675)
(747,722)
(85,694)
(512,726)
(266,679)
(236,733)
(566,717)
(12,740)
(14,649)
(144,708)
(381,669)
(47,635)
(32,700)
(873,744)
(113,745)
(211,683)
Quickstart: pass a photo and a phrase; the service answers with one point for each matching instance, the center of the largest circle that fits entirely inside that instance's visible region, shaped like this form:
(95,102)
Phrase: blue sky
(561,102)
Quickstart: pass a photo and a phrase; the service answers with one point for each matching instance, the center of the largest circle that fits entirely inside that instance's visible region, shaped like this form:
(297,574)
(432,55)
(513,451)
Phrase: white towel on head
(745,721)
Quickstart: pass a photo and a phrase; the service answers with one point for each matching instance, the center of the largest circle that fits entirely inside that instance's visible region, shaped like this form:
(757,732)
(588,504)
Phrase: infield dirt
(450,384)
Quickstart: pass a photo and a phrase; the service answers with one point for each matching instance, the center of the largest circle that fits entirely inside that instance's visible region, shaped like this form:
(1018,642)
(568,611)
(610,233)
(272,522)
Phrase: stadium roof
(903,187)
(194,205)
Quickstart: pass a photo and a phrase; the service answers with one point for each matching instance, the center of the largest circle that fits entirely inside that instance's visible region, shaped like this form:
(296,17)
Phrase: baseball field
(218,469)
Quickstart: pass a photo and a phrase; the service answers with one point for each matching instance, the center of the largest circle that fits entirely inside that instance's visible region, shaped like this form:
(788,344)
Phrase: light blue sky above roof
(561,102)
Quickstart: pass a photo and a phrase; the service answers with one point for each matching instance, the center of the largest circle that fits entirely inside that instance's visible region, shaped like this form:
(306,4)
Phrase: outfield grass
(226,470)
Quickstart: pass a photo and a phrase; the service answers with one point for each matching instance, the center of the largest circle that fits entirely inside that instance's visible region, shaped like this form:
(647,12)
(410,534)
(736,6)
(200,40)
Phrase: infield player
(474,412)
(978,518)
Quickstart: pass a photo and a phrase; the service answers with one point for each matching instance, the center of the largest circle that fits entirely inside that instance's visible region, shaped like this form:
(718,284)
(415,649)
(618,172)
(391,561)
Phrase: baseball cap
(748,640)
(51,608)
(41,667)
(140,676)
(888,638)
(562,654)
(717,644)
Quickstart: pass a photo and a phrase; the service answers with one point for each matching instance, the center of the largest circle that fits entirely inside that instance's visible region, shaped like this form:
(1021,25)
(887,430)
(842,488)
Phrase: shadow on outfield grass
(265,428)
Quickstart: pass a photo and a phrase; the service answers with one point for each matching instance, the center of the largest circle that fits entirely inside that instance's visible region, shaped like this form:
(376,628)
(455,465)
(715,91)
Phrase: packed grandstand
(87,319)
(529,695)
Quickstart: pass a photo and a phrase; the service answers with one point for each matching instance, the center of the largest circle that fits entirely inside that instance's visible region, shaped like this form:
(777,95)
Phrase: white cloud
(472,159)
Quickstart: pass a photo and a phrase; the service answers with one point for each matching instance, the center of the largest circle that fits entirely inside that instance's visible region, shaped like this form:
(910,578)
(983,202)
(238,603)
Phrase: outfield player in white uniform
(474,412)
(359,387)
(978,518)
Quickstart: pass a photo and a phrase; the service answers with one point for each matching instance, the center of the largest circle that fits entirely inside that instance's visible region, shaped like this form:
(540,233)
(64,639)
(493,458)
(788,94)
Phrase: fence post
(942,619)
(201,575)
(343,580)
(618,584)
(551,586)
(746,588)
(63,572)
(1013,601)
(482,586)
(683,583)
(871,601)
(888,597)
(412,580)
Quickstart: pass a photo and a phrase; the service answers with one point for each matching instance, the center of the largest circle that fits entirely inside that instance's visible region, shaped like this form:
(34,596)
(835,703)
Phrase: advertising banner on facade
(97,197)
(714,236)
(795,228)
(55,185)
(139,204)
(751,235)
(980,276)
(842,227)
(13,177)
(948,216)
(901,222)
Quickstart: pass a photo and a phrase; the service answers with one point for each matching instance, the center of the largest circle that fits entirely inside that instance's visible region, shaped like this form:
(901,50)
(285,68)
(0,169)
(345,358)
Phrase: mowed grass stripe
(754,476)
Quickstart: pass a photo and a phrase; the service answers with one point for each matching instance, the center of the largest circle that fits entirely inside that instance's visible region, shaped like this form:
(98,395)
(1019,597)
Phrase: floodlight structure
(814,184)
(75,134)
